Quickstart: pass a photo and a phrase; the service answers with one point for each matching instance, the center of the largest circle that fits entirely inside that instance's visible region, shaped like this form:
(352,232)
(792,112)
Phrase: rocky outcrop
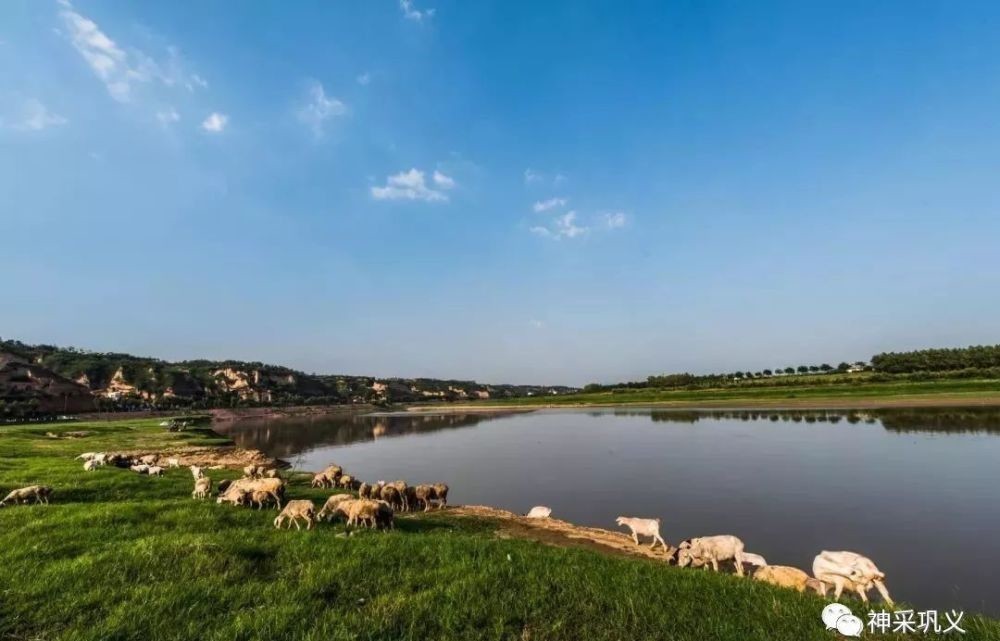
(27,385)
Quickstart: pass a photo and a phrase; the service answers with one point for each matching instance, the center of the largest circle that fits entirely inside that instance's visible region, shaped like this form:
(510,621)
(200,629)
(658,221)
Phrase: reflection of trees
(287,437)
(955,420)
(972,420)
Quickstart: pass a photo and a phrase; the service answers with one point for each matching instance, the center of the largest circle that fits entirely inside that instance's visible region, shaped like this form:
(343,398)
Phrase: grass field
(122,556)
(813,393)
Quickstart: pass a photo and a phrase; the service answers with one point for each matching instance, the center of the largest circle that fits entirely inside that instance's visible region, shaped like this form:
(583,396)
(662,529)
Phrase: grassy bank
(122,556)
(815,394)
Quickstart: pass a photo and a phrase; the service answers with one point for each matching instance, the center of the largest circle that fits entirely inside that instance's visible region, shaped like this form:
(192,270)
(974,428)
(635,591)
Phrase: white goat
(155,470)
(142,468)
(202,488)
(173,462)
(40,493)
(645,527)
(852,571)
(710,550)
(539,512)
(294,510)
(196,472)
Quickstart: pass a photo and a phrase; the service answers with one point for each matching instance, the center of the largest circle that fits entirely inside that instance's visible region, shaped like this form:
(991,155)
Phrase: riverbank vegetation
(123,556)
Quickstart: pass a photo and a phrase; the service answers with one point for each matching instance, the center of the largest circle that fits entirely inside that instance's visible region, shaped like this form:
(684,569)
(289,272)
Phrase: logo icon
(837,616)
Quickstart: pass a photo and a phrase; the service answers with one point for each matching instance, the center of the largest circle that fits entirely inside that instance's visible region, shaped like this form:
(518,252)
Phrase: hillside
(40,380)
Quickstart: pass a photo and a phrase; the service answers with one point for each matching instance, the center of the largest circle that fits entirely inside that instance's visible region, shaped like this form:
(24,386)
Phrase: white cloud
(551,203)
(615,219)
(411,185)
(364,79)
(118,69)
(35,116)
(562,227)
(443,181)
(168,116)
(319,108)
(535,177)
(215,122)
(106,58)
(410,12)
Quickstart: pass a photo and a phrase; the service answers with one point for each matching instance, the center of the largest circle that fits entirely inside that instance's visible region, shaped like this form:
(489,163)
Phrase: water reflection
(288,437)
(961,420)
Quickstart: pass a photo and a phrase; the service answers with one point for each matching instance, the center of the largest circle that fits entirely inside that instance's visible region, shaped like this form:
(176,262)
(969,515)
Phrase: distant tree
(813,368)
(789,370)
(843,367)
(826,367)
(758,374)
(802,369)
(738,375)
(768,372)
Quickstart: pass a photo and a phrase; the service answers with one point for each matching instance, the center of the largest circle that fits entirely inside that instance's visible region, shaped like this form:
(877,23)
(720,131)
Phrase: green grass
(122,556)
(751,392)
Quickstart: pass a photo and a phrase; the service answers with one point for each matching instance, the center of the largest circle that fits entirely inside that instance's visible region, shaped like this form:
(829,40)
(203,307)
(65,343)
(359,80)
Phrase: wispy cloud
(364,79)
(410,12)
(412,185)
(546,205)
(319,108)
(615,219)
(443,181)
(537,324)
(33,116)
(118,69)
(535,177)
(167,116)
(215,122)
(562,227)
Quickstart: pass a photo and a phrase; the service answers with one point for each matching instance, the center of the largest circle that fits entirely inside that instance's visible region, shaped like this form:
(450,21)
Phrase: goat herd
(839,570)
(374,507)
(377,503)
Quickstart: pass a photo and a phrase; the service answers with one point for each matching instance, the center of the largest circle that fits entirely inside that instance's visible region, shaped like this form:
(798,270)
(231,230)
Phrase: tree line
(962,362)
(938,360)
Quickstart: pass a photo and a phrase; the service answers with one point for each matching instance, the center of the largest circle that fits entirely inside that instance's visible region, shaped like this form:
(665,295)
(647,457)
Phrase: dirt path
(560,533)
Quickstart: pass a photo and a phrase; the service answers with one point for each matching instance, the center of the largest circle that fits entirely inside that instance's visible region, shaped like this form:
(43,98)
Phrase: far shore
(813,403)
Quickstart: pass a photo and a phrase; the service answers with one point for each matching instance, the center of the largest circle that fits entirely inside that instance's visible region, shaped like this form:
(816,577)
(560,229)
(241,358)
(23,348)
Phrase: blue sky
(557,192)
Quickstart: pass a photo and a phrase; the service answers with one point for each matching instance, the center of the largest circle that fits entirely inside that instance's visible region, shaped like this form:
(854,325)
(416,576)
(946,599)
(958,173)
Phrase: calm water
(913,489)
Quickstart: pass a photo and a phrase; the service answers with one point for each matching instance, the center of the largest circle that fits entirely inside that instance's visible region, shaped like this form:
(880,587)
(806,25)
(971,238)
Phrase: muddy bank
(216,457)
(559,533)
